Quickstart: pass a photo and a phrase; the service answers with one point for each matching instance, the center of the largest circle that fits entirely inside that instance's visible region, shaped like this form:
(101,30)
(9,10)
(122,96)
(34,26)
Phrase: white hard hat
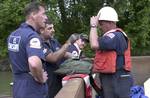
(107,13)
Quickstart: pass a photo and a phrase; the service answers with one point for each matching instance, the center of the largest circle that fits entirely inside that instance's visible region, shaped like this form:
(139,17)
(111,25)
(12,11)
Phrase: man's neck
(31,23)
(110,28)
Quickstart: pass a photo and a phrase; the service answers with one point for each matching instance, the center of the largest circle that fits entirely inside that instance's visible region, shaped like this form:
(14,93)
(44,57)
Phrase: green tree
(10,17)
(137,25)
(73,16)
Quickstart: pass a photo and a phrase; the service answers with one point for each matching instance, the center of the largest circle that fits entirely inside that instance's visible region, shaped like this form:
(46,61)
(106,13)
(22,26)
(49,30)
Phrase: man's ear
(42,30)
(33,15)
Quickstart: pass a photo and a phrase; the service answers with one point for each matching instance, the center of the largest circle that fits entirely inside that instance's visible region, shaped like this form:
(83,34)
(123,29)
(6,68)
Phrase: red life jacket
(105,61)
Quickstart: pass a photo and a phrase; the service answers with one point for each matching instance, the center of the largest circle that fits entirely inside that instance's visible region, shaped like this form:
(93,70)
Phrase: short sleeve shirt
(22,44)
(52,46)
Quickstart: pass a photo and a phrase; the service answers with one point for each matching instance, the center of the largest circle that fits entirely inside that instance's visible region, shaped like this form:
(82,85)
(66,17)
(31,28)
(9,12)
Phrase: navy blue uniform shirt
(54,80)
(114,41)
(73,48)
(53,45)
(75,51)
(23,43)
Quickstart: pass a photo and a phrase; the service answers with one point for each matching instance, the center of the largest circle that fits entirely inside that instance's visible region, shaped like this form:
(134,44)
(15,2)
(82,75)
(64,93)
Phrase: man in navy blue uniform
(80,42)
(112,60)
(57,54)
(26,55)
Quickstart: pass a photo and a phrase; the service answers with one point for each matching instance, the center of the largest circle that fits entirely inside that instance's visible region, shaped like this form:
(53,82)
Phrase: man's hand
(94,21)
(68,55)
(45,76)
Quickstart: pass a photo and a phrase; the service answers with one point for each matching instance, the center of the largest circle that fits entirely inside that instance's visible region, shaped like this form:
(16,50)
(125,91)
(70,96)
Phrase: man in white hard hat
(112,60)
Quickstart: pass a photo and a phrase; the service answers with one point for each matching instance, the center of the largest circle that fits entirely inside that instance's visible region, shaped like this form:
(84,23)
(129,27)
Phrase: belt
(23,75)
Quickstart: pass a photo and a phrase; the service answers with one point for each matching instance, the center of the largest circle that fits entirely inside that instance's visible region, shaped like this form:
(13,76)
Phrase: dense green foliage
(71,16)
(11,15)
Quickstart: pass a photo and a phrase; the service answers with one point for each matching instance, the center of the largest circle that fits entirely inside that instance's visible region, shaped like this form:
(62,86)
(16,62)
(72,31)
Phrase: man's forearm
(35,66)
(54,57)
(94,38)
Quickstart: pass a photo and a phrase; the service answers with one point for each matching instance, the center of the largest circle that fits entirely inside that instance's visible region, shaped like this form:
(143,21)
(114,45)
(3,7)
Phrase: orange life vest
(105,61)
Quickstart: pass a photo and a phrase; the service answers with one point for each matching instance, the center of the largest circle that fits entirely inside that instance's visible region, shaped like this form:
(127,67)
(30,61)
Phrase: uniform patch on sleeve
(14,43)
(111,35)
(35,43)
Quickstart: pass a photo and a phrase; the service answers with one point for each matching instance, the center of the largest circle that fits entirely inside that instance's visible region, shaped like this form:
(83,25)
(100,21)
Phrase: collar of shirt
(47,41)
(76,45)
(114,30)
(27,25)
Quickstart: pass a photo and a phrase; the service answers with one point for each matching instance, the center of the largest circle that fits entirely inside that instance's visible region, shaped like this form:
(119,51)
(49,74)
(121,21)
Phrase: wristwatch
(93,26)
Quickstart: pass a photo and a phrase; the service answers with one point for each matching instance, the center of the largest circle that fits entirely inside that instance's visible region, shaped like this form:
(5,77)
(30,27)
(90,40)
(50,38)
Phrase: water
(5,80)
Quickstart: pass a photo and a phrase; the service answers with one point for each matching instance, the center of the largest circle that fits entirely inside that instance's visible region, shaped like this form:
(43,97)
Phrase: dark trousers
(26,87)
(116,85)
(54,84)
